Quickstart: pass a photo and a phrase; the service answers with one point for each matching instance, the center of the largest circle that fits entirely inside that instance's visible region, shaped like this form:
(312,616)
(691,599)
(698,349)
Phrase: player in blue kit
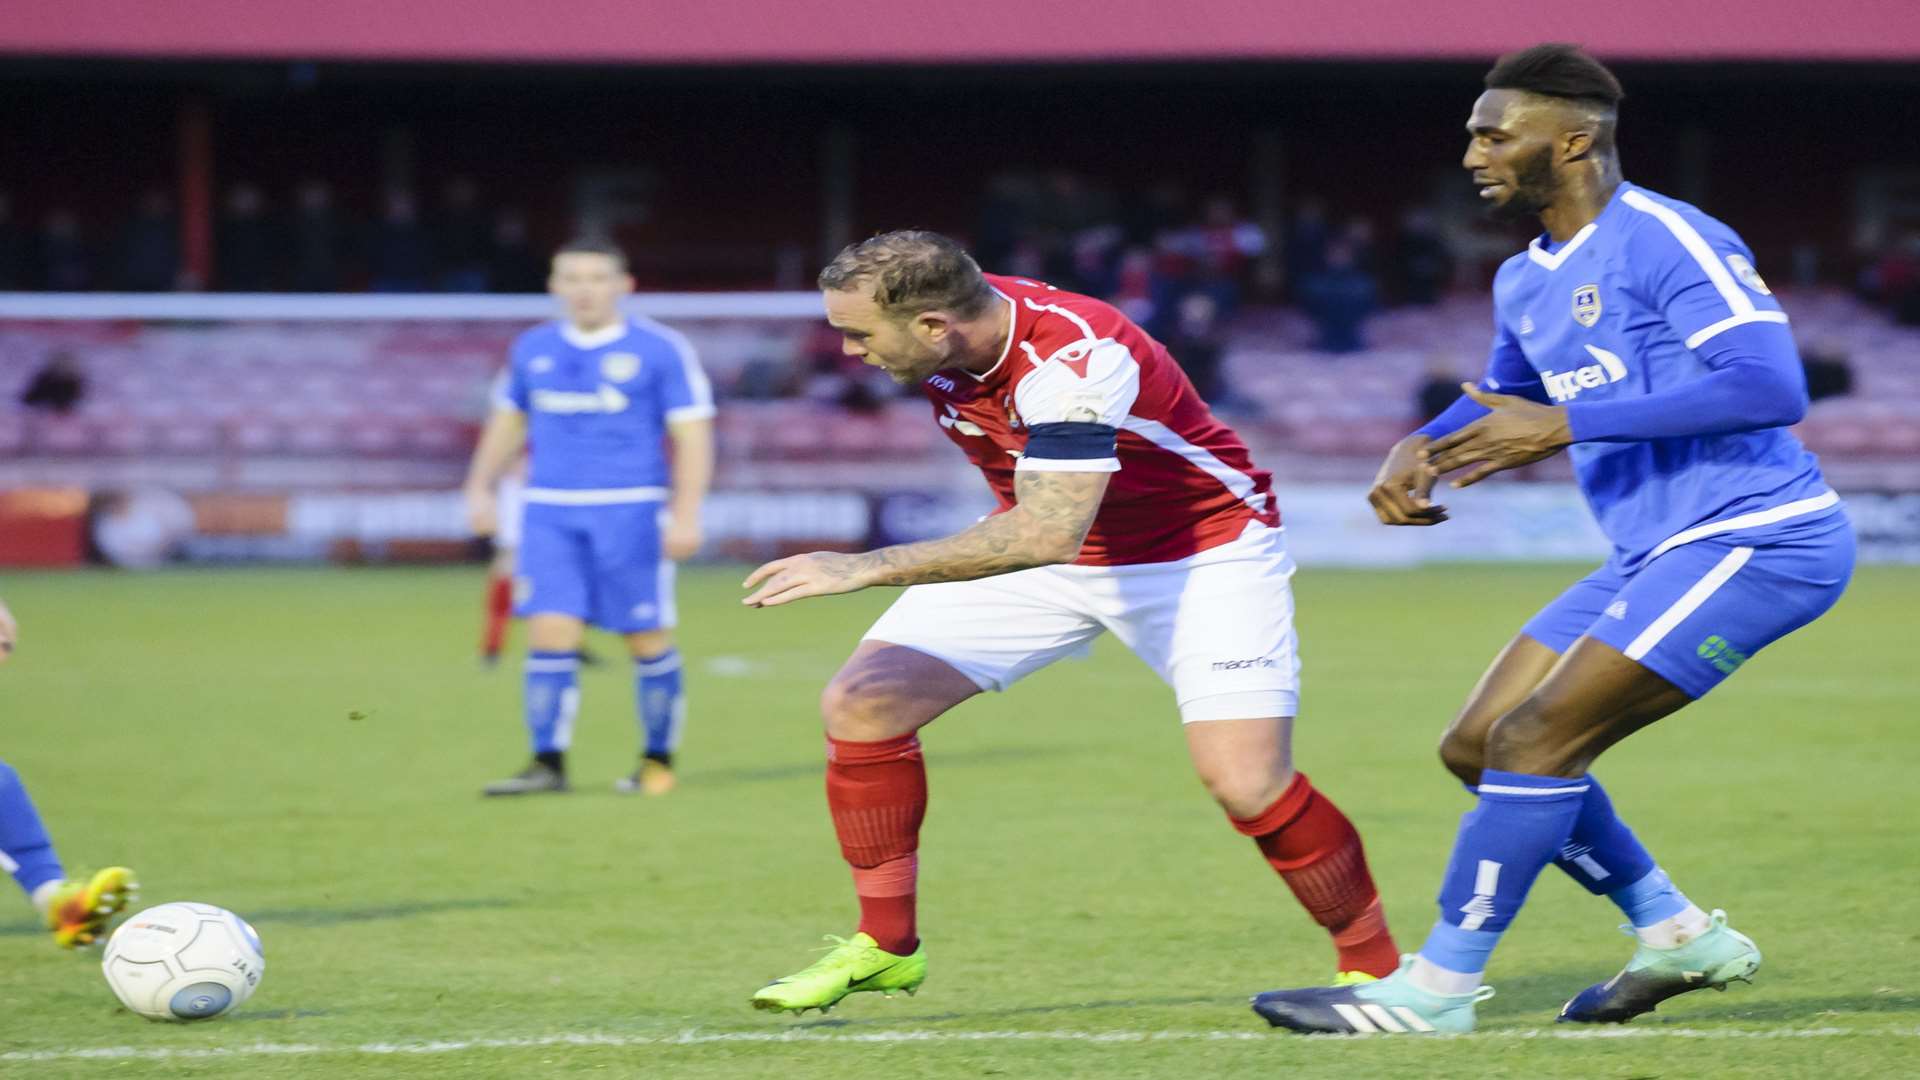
(1636,335)
(76,910)
(597,396)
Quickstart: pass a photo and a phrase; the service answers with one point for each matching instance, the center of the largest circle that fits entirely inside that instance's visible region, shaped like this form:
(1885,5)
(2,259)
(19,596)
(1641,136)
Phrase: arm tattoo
(1047,526)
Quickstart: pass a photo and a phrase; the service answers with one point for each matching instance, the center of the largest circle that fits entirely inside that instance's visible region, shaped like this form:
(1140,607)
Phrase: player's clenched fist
(682,537)
(9,632)
(819,573)
(483,512)
(1400,490)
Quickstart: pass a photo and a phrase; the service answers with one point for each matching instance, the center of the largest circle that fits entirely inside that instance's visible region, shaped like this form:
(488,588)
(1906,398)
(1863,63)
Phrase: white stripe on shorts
(1688,603)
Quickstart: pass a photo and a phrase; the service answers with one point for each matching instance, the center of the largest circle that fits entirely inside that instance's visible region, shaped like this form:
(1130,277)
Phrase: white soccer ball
(183,962)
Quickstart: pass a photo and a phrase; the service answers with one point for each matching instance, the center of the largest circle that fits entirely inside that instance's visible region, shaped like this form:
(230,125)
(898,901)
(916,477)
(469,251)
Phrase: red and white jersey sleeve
(1087,382)
(1077,368)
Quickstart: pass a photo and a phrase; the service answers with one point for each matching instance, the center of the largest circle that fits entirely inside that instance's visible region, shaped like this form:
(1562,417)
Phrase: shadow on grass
(315,916)
(1239,1000)
(1538,996)
(324,916)
(246,1017)
(1755,1003)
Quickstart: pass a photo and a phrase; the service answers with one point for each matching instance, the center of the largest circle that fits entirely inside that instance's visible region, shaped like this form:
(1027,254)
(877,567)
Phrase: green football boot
(850,966)
(1714,959)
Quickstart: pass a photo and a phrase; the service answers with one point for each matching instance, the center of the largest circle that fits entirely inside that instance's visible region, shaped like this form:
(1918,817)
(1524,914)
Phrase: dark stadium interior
(742,177)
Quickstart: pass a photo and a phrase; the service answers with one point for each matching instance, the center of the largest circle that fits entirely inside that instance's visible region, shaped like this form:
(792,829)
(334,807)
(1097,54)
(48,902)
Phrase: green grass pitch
(306,747)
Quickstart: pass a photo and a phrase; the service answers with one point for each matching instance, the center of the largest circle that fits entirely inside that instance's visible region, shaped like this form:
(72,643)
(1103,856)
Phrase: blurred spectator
(65,263)
(316,240)
(462,239)
(1339,298)
(1196,340)
(512,264)
(1422,262)
(1894,279)
(399,254)
(1222,237)
(245,252)
(831,376)
(1440,389)
(1005,219)
(1216,281)
(15,260)
(1359,236)
(149,256)
(57,387)
(1306,242)
(1141,292)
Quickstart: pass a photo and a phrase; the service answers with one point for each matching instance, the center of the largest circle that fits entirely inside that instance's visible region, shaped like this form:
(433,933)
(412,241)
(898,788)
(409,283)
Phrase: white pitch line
(792,1035)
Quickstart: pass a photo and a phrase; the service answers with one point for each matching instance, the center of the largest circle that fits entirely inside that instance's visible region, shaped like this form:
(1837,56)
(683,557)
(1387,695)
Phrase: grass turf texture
(306,747)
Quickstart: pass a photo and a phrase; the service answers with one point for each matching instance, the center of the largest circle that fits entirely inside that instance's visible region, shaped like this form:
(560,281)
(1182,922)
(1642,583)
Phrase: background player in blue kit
(596,396)
(75,910)
(1637,335)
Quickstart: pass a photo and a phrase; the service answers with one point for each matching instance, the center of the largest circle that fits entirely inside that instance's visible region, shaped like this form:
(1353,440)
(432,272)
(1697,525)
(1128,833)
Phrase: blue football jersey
(598,405)
(1619,311)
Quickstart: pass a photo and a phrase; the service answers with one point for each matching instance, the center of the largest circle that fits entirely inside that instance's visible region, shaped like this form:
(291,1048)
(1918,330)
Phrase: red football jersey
(1184,482)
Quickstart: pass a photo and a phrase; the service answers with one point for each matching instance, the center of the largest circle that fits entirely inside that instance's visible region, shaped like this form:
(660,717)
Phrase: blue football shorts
(1694,614)
(599,564)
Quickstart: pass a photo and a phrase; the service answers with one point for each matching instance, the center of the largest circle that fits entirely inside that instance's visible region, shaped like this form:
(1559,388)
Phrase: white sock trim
(43,894)
(1435,979)
(1675,930)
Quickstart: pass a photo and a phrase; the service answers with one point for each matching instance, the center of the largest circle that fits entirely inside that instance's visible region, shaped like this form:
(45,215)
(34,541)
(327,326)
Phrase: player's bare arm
(1046,527)
(692,476)
(1402,488)
(9,632)
(1517,432)
(501,442)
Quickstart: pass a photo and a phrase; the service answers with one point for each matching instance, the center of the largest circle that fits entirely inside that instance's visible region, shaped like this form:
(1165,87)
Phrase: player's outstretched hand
(1400,490)
(1517,432)
(818,573)
(483,512)
(9,632)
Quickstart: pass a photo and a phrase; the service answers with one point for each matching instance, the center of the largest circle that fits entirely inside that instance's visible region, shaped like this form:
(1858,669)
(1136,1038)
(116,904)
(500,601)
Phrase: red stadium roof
(918,31)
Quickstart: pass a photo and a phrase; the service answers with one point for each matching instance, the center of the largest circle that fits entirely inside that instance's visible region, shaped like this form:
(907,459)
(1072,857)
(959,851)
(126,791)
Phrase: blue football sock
(552,697)
(26,851)
(661,703)
(1650,899)
(1504,843)
(1603,855)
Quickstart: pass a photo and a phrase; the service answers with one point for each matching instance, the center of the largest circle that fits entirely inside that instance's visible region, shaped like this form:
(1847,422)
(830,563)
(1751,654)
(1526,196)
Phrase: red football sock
(1316,850)
(499,610)
(877,792)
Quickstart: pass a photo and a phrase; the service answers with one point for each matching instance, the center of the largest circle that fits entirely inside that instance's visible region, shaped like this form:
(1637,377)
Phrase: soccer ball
(183,962)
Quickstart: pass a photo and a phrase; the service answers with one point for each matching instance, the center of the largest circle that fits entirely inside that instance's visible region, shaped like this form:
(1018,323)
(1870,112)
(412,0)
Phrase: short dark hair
(594,245)
(1560,70)
(911,271)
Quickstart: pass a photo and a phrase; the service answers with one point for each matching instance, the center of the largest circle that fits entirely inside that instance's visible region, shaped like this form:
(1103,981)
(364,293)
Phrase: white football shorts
(1217,626)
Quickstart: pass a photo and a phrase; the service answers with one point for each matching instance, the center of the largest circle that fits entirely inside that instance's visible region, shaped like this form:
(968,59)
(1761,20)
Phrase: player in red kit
(1125,505)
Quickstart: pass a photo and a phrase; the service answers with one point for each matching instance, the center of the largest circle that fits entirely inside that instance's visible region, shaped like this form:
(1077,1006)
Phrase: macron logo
(1566,385)
(607,399)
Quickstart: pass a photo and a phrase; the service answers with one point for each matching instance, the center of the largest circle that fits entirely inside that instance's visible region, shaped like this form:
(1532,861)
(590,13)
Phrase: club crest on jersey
(1743,269)
(619,366)
(540,365)
(1586,305)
